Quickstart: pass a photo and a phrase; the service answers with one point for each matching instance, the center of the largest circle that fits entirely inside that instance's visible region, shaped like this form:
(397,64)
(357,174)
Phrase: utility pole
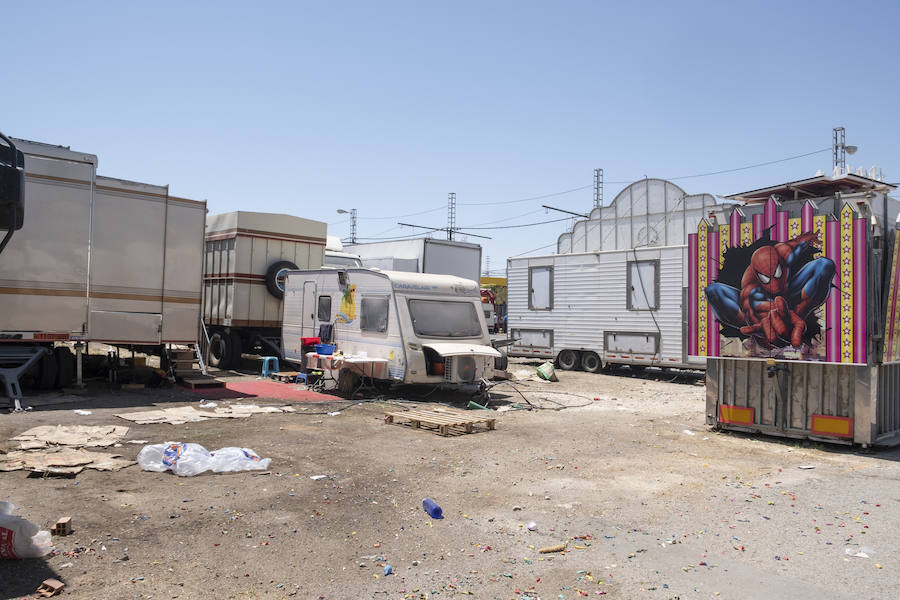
(598,187)
(451,214)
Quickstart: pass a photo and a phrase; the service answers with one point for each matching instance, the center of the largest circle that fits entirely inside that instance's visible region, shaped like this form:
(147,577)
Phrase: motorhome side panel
(127,258)
(346,304)
(185,221)
(43,274)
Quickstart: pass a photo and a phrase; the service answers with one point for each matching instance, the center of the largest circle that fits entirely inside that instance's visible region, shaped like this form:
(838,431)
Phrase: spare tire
(275,277)
(219,350)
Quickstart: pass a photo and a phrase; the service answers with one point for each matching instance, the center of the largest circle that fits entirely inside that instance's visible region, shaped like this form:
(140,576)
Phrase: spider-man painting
(769,291)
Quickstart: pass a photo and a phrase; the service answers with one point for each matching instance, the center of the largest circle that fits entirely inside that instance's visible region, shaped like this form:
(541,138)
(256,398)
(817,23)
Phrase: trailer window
(374,315)
(540,285)
(444,318)
(324,308)
(643,285)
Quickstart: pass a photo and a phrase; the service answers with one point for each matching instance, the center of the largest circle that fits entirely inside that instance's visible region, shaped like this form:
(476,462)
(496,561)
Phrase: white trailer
(422,255)
(389,326)
(615,292)
(97,259)
(247,257)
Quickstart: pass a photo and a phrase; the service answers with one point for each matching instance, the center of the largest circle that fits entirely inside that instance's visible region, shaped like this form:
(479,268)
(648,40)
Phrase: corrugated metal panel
(589,298)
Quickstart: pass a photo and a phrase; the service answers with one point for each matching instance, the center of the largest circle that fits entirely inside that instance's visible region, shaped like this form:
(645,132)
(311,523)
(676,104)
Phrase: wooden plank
(197,382)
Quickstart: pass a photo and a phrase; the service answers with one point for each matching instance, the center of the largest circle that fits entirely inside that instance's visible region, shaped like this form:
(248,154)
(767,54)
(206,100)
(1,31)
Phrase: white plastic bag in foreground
(20,538)
(192,459)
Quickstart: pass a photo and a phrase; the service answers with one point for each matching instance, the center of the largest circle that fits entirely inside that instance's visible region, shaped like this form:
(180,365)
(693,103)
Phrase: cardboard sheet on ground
(188,414)
(82,436)
(62,461)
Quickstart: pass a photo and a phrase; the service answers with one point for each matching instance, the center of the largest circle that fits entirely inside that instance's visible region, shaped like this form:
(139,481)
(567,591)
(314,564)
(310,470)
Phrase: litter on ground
(188,414)
(84,436)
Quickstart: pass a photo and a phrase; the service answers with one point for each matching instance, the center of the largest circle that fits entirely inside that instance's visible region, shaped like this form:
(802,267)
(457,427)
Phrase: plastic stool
(300,377)
(269,365)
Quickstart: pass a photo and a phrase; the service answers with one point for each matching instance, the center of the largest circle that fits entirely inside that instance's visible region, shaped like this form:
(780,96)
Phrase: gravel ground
(649,501)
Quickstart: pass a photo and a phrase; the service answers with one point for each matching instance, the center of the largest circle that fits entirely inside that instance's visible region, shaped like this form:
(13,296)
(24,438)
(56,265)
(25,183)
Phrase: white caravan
(390,326)
(615,292)
(422,255)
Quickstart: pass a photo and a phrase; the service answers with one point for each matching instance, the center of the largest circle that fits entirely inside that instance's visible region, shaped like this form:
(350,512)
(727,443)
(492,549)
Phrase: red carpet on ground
(263,389)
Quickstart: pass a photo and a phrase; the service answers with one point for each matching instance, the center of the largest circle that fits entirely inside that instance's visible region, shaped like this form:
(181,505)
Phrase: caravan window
(374,315)
(643,285)
(324,308)
(444,318)
(540,285)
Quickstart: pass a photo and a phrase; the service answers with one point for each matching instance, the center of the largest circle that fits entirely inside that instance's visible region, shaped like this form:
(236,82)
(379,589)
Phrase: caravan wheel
(591,363)
(219,350)
(567,360)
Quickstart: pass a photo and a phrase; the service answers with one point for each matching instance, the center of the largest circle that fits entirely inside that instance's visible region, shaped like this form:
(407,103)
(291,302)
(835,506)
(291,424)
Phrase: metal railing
(203,347)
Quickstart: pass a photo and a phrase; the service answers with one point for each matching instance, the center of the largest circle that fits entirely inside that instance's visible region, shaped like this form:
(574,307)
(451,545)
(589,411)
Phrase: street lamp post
(352,213)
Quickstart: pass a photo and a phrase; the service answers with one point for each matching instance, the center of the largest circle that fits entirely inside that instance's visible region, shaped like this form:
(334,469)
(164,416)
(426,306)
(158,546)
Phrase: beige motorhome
(247,257)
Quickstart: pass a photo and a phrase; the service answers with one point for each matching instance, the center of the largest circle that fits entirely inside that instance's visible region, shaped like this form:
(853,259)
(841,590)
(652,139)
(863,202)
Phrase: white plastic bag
(20,538)
(191,459)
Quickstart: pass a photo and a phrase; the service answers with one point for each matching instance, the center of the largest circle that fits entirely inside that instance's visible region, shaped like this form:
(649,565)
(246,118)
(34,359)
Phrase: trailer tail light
(737,415)
(832,426)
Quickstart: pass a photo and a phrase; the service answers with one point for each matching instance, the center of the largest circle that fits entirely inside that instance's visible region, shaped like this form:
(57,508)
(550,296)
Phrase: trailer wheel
(591,363)
(47,379)
(275,277)
(567,360)
(65,363)
(219,351)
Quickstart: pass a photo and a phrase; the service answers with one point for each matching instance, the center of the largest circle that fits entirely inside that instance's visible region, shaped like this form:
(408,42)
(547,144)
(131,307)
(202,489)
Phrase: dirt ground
(649,502)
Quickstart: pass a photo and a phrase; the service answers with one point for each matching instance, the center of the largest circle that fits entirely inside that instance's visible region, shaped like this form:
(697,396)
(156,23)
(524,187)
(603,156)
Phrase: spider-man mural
(769,291)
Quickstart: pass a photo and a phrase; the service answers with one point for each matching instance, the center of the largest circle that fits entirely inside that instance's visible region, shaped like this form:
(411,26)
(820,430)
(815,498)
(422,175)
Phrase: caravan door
(308,315)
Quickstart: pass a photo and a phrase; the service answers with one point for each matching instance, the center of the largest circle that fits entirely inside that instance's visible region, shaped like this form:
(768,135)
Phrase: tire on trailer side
(49,368)
(65,367)
(275,277)
(591,362)
(219,350)
(568,360)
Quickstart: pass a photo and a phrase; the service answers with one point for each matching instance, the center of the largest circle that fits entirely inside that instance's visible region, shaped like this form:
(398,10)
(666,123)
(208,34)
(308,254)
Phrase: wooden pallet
(201,381)
(447,422)
(285,376)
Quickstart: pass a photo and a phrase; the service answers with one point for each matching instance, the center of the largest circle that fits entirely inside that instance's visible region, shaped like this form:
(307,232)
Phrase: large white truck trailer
(96,259)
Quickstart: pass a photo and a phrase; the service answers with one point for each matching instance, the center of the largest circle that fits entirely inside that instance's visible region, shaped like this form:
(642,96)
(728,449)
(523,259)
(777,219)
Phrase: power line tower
(451,214)
(487,266)
(839,156)
(598,187)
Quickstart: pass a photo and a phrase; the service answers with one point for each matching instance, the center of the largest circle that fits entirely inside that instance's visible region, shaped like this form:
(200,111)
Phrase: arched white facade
(647,213)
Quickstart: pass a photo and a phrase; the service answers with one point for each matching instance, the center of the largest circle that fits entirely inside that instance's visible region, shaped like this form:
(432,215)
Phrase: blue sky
(304,108)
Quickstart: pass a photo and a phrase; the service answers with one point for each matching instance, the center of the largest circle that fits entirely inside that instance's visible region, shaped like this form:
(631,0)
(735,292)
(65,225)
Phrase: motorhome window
(324,308)
(643,285)
(540,284)
(444,318)
(374,313)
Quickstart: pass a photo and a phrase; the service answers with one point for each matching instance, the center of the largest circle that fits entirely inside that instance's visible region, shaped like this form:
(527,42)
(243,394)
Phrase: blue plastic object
(388,569)
(433,510)
(300,377)
(325,349)
(269,365)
